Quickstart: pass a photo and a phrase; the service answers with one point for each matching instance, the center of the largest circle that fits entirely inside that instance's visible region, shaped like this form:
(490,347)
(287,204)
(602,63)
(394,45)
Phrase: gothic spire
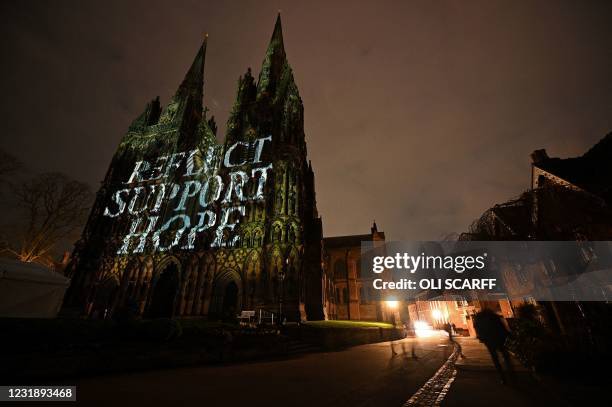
(277,34)
(274,61)
(193,83)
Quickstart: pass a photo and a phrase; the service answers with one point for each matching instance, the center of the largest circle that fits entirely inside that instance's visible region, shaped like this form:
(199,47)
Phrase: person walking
(449,330)
(491,331)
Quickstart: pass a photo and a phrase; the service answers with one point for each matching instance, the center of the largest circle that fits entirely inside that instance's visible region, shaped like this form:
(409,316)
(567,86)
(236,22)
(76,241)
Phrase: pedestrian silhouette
(393,352)
(450,329)
(491,331)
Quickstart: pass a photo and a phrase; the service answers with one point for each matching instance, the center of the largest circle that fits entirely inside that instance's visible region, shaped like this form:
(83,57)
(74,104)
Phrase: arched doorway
(165,292)
(230,301)
(226,297)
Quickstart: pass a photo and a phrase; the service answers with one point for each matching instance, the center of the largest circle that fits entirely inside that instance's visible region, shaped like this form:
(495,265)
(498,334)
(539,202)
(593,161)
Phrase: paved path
(361,376)
(433,392)
(365,375)
(478,384)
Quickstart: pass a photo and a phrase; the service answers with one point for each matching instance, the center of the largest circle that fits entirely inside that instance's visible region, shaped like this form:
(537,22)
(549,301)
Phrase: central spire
(193,83)
(277,34)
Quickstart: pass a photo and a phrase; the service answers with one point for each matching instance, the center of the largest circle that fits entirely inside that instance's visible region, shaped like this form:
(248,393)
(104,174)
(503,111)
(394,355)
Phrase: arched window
(340,269)
(292,234)
(277,233)
(257,238)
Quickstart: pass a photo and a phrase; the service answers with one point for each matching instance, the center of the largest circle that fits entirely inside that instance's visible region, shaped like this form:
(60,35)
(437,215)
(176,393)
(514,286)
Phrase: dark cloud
(418,114)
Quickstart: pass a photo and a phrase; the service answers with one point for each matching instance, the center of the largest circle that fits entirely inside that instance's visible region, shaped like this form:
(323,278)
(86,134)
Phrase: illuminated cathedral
(184,225)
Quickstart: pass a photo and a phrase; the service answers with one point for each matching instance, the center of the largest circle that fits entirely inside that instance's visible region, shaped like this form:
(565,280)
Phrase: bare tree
(54,206)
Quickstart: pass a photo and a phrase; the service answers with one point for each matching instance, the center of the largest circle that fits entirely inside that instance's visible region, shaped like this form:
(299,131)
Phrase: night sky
(418,115)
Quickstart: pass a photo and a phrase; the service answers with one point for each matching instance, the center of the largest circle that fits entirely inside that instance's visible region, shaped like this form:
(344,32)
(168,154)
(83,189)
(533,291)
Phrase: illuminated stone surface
(185,225)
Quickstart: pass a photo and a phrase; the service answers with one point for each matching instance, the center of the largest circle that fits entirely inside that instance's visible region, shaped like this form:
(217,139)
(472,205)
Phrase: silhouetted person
(393,352)
(404,335)
(392,343)
(491,331)
(449,329)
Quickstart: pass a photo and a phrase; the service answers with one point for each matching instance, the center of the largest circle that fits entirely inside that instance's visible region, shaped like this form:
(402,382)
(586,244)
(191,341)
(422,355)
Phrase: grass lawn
(347,324)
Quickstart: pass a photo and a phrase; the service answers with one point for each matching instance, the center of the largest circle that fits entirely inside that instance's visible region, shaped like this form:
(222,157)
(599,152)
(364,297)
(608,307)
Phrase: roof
(11,269)
(592,171)
(347,241)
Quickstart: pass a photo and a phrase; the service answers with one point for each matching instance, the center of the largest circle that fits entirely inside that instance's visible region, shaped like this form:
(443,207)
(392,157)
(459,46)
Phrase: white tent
(29,290)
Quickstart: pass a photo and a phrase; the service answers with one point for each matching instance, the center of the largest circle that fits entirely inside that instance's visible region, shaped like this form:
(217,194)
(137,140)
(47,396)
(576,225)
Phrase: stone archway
(229,307)
(165,292)
(226,301)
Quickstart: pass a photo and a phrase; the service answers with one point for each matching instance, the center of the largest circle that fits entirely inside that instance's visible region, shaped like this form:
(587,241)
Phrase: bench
(245,317)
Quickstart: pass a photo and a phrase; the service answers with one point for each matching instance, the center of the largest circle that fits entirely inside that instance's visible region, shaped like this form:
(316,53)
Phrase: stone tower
(185,225)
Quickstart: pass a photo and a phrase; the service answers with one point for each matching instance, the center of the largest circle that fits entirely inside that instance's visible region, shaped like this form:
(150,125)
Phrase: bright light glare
(392,304)
(423,329)
(436,313)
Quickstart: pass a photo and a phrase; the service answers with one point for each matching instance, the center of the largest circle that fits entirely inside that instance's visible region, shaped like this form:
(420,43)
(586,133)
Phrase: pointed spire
(274,61)
(246,88)
(277,34)
(193,83)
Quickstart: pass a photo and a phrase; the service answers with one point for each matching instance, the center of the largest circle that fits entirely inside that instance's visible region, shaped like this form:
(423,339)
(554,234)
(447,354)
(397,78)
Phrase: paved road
(478,384)
(361,376)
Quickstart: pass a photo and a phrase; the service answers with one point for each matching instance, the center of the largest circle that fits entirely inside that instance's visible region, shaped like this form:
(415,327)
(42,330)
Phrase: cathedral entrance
(230,301)
(164,293)
(225,303)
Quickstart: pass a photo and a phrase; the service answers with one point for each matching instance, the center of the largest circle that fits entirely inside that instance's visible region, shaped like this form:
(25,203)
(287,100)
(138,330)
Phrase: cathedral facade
(184,225)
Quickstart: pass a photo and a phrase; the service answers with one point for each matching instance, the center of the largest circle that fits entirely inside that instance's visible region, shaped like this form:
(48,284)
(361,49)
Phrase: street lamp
(392,304)
(392,307)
